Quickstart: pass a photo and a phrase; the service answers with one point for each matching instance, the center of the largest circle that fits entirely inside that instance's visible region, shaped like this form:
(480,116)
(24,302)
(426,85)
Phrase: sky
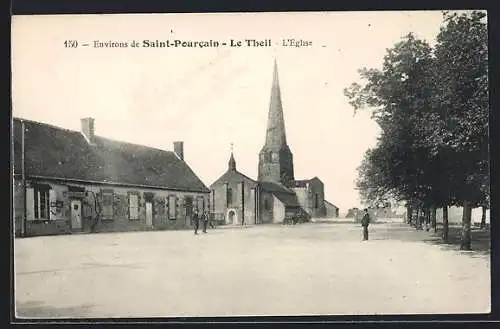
(212,97)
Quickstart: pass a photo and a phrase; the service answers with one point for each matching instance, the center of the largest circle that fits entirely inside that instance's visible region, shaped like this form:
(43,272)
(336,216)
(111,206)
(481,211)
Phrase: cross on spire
(232,162)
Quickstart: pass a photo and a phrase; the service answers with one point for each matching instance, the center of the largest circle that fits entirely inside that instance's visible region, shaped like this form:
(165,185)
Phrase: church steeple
(232,162)
(275,158)
(275,132)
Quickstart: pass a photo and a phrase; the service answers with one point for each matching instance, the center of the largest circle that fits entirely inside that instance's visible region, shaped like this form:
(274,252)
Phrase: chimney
(88,128)
(179,149)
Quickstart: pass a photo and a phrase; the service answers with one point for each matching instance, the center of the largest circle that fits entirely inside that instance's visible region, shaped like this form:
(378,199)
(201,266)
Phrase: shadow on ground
(481,239)
(35,309)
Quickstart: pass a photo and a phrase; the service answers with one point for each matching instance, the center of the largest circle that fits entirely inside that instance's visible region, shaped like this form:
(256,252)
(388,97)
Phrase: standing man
(204,217)
(196,221)
(365,221)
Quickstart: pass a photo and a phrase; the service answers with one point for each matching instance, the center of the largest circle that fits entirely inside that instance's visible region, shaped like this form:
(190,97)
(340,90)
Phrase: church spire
(232,162)
(275,133)
(275,157)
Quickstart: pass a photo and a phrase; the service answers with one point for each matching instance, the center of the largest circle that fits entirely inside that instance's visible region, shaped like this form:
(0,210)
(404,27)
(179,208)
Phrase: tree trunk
(483,217)
(420,218)
(445,223)
(465,243)
(427,218)
(409,214)
(433,219)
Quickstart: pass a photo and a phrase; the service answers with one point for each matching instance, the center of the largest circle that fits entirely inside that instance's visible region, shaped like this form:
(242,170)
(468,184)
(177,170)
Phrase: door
(231,217)
(76,214)
(149,214)
(189,211)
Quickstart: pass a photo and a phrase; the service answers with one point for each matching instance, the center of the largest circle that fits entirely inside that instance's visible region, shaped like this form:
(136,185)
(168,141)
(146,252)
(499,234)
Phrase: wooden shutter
(30,203)
(133,206)
(52,205)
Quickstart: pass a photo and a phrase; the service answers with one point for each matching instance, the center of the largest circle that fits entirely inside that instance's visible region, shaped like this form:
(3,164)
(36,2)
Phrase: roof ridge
(44,124)
(134,144)
(242,174)
(98,136)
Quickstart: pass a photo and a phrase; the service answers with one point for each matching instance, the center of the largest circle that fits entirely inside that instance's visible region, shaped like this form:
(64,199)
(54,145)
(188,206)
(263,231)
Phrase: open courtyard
(307,269)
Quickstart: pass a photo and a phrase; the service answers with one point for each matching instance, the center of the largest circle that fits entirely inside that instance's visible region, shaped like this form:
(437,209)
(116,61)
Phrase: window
(229,196)
(41,204)
(107,204)
(316,201)
(200,205)
(172,200)
(267,205)
(274,156)
(133,204)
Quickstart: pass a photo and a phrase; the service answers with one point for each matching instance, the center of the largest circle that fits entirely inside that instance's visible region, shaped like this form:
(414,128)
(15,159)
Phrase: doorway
(189,210)
(149,214)
(231,217)
(76,214)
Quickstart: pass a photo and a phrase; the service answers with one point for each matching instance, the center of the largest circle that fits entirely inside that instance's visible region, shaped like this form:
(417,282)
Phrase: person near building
(204,218)
(196,221)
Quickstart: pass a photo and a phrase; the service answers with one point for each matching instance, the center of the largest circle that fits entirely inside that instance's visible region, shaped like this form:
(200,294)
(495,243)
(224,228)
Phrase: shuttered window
(172,203)
(30,203)
(107,205)
(53,204)
(200,205)
(133,203)
(38,204)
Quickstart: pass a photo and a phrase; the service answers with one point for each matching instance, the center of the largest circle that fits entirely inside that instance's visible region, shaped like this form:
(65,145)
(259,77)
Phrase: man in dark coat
(204,218)
(196,221)
(365,221)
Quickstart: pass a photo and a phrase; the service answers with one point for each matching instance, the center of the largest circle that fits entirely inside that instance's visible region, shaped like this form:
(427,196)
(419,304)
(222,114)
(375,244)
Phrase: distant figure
(204,218)
(196,221)
(365,221)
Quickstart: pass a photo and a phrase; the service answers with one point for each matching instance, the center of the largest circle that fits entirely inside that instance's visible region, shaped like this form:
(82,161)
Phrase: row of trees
(432,106)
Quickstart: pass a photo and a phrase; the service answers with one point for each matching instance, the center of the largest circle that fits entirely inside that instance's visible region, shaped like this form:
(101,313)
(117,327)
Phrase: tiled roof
(60,153)
(284,194)
(331,204)
(232,176)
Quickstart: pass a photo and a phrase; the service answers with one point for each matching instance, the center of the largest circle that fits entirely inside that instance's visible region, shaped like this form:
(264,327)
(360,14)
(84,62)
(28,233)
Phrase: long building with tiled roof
(76,181)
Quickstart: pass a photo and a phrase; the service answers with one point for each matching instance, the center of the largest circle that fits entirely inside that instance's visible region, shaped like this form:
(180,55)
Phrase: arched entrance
(232,217)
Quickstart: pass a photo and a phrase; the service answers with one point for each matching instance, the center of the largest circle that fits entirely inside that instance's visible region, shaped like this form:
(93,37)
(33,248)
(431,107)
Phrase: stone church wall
(243,203)
(278,211)
(266,207)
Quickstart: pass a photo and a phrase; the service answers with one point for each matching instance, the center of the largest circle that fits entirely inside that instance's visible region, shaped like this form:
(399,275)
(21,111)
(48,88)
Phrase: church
(276,196)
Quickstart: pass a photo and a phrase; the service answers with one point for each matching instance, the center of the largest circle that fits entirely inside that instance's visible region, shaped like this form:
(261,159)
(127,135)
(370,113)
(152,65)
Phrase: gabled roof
(284,194)
(331,204)
(234,175)
(55,152)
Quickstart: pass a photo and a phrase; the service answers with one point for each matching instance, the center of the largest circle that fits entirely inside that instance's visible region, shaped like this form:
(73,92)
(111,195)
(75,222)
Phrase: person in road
(204,218)
(365,221)
(196,221)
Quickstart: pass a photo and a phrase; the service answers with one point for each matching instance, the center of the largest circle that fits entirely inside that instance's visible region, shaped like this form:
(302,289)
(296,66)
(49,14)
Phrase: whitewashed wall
(455,215)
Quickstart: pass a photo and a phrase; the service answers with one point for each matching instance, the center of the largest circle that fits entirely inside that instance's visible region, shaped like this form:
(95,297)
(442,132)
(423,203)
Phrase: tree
(462,55)
(401,96)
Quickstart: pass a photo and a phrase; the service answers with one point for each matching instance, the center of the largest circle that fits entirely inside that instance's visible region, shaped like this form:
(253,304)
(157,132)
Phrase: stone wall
(242,200)
(266,213)
(60,218)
